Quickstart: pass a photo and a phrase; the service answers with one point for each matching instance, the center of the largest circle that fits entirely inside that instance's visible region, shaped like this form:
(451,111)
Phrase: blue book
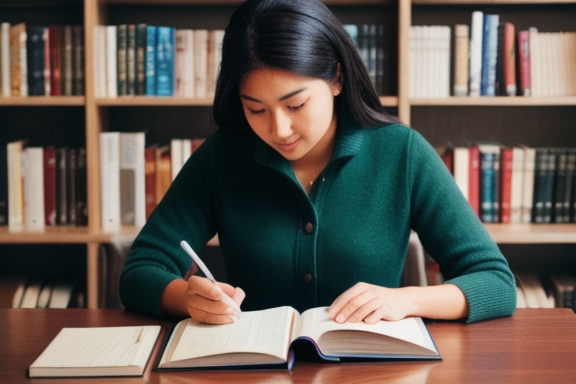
(489,55)
(150,60)
(165,61)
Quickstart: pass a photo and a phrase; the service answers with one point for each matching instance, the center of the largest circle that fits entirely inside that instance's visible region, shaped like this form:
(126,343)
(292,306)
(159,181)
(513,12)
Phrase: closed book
(17,75)
(34,214)
(71,179)
(200,62)
(176,160)
(506,75)
(78,73)
(111,61)
(100,61)
(97,351)
(474,178)
(489,55)
(475,67)
(461,58)
(110,180)
(15,186)
(35,56)
(528,183)
(562,286)
(380,58)
(47,62)
(68,62)
(559,186)
(131,60)
(5,59)
(165,61)
(62,186)
(151,43)
(31,293)
(132,178)
(523,42)
(141,59)
(163,172)
(150,179)
(180,62)
(489,171)
(507,164)
(543,185)
(122,59)
(517,185)
(462,169)
(55,44)
(189,76)
(570,187)
(81,188)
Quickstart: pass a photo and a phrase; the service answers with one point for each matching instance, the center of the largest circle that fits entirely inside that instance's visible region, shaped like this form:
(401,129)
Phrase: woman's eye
(256,112)
(296,107)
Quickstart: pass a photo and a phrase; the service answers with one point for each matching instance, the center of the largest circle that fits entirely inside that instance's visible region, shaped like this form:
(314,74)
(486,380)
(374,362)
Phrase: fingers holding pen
(212,303)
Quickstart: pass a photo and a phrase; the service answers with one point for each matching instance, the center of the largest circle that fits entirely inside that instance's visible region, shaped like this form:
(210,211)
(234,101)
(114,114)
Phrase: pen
(196,259)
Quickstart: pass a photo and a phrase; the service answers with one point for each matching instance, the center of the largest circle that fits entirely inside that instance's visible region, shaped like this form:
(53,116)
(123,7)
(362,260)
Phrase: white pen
(196,259)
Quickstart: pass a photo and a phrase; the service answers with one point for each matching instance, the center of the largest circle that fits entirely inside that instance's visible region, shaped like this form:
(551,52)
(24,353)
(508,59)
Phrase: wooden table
(533,346)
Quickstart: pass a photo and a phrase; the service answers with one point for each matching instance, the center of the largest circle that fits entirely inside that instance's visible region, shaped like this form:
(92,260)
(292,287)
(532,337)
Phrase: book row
(490,57)
(156,61)
(369,39)
(546,290)
(42,186)
(516,184)
(135,177)
(41,60)
(22,292)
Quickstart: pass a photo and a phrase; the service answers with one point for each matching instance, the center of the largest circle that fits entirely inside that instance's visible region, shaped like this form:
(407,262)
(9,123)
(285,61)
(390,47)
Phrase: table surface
(533,346)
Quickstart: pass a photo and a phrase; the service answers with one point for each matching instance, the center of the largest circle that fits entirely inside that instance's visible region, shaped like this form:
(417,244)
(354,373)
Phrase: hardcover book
(267,337)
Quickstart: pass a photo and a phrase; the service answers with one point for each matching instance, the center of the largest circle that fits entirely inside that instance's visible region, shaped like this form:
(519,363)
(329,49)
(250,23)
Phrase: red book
(55,61)
(474,179)
(150,179)
(448,159)
(509,59)
(506,185)
(523,48)
(50,185)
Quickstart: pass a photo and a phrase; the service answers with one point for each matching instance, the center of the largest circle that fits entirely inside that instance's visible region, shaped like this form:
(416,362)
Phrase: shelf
(495,101)
(52,234)
(40,101)
(153,101)
(522,233)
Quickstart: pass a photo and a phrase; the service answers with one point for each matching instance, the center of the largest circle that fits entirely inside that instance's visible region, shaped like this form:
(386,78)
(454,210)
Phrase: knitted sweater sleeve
(453,235)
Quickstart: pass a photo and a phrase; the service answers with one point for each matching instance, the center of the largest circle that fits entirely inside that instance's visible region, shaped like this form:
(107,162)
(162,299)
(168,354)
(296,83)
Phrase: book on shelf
(125,352)
(523,49)
(506,60)
(112,66)
(474,178)
(150,178)
(3,184)
(165,61)
(15,186)
(563,289)
(506,169)
(151,33)
(33,176)
(18,68)
(461,58)
(528,182)
(476,43)
(462,169)
(517,185)
(489,182)
(489,54)
(197,345)
(122,59)
(132,178)
(131,60)
(110,180)
(140,58)
(200,62)
(5,59)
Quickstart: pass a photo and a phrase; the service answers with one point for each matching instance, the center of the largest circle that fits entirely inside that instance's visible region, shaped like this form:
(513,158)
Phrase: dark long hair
(302,37)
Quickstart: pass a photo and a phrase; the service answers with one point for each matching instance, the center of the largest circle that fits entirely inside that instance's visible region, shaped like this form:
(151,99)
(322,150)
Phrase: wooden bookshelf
(436,119)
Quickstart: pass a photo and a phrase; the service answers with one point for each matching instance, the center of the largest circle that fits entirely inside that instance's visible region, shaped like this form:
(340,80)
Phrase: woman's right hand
(206,301)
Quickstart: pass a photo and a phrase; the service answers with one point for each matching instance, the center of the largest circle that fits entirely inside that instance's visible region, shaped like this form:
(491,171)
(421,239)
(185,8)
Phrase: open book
(262,338)
(97,351)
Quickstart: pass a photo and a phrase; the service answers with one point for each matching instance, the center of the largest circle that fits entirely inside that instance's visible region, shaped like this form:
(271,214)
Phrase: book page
(404,337)
(99,347)
(265,332)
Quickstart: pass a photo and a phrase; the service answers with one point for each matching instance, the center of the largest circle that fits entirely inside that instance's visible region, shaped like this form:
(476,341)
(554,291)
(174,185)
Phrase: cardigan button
(309,228)
(307,278)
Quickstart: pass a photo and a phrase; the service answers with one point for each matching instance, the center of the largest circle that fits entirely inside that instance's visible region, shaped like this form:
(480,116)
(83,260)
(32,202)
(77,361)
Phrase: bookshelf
(78,120)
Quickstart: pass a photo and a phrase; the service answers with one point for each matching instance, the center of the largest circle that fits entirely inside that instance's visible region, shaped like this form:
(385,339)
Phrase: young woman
(313,190)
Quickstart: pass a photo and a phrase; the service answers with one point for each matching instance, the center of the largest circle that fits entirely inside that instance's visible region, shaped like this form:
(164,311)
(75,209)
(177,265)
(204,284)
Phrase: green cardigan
(283,247)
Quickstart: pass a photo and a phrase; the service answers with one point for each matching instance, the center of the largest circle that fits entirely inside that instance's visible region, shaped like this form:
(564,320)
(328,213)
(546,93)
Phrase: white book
(5,59)
(180,62)
(44,296)
(132,176)
(200,62)
(186,150)
(461,169)
(100,61)
(517,185)
(110,180)
(61,294)
(15,186)
(215,40)
(111,61)
(175,157)
(528,183)
(444,44)
(476,35)
(33,167)
(97,351)
(189,75)
(31,293)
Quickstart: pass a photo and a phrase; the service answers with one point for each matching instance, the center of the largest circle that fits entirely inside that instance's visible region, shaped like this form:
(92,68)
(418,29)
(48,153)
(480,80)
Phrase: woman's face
(291,113)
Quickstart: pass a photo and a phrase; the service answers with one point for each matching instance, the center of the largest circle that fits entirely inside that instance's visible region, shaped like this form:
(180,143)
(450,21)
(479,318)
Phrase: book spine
(476,36)
(141,59)
(489,55)
(68,62)
(35,47)
(71,178)
(528,184)
(50,185)
(110,180)
(569,187)
(200,62)
(151,44)
(517,185)
(509,59)
(506,185)
(5,59)
(34,189)
(81,190)
(111,61)
(15,186)
(78,52)
(15,57)
(131,60)
(559,187)
(122,58)
(474,179)
(150,179)
(189,85)
(165,61)
(549,186)
(55,61)
(47,63)
(62,186)
(461,54)
(461,169)
(3,185)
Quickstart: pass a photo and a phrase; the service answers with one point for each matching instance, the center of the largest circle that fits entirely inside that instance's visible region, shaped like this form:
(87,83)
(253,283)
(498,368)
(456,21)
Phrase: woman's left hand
(370,303)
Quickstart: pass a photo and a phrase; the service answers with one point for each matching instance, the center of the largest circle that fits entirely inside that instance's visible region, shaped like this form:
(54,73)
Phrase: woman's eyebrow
(286,96)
